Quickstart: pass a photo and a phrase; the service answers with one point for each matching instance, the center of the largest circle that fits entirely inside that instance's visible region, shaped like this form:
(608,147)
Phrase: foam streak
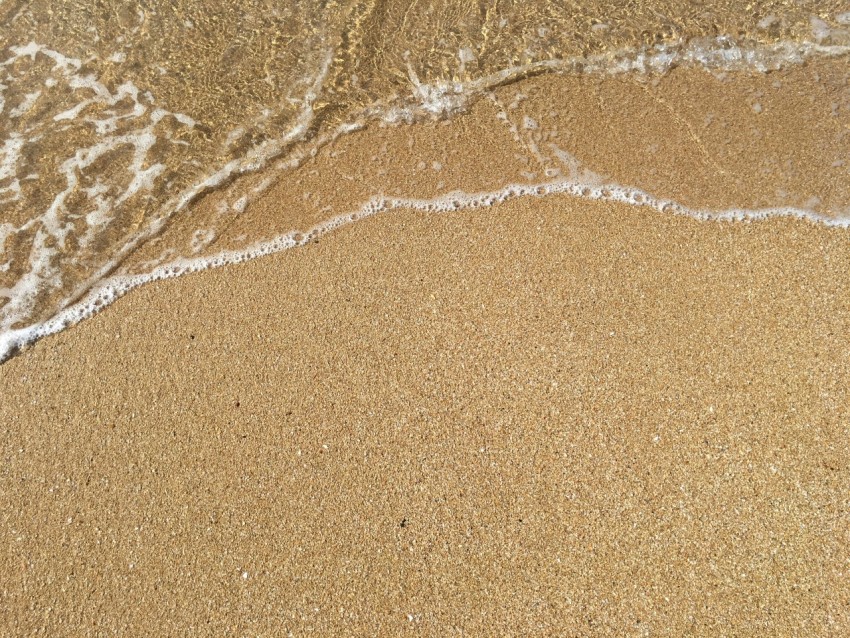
(112,288)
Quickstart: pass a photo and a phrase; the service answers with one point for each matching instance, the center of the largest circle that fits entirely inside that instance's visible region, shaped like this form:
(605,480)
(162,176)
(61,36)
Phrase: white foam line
(114,287)
(719,54)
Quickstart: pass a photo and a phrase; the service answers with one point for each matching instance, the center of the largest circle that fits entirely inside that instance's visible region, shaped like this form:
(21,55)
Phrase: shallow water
(117,120)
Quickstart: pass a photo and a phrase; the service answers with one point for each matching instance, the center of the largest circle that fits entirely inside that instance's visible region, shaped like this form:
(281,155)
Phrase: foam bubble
(820,29)
(240,204)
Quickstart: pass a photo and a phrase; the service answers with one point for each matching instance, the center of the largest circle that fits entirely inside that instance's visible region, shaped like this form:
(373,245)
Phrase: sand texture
(552,417)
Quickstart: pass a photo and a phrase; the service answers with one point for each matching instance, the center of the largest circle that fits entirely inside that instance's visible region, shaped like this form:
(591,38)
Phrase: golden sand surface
(551,417)
(554,416)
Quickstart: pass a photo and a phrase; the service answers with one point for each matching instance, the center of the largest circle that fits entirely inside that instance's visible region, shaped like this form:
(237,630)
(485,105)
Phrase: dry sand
(551,417)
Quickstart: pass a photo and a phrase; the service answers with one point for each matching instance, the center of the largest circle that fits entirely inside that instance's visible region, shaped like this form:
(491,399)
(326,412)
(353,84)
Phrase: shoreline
(110,290)
(551,414)
(634,145)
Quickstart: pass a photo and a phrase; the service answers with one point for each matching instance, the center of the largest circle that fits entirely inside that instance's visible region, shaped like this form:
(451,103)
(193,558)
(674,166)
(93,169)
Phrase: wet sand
(708,142)
(552,417)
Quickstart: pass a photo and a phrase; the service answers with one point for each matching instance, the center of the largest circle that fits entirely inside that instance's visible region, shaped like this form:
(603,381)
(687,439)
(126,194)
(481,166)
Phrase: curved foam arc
(110,289)
(425,100)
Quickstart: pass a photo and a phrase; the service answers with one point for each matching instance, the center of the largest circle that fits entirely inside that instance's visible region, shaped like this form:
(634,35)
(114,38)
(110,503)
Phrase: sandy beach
(552,417)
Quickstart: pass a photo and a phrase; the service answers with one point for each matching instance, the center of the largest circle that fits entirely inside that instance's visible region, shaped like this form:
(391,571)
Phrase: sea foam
(109,289)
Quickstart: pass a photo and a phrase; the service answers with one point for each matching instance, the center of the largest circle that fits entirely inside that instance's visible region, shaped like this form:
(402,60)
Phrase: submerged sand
(552,417)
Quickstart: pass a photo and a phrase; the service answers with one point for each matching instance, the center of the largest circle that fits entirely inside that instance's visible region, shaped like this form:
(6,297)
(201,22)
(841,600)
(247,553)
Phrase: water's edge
(274,157)
(113,288)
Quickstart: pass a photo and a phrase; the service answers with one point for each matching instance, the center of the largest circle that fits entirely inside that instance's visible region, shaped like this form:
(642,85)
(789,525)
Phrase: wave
(131,167)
